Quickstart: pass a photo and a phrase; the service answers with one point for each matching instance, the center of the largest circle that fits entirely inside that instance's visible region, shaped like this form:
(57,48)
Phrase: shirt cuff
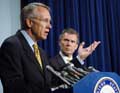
(80,60)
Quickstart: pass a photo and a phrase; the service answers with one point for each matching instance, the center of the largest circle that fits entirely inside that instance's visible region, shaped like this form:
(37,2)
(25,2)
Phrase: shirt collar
(28,38)
(65,58)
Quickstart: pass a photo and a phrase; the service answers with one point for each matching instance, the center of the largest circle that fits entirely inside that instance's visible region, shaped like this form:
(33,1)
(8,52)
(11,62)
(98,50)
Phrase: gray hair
(28,12)
(69,31)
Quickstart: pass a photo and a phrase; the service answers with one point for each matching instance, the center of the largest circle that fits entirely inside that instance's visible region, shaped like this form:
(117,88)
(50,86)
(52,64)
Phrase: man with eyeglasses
(22,62)
(20,69)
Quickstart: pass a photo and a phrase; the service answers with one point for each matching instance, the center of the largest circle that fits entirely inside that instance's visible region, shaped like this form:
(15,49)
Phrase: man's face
(68,44)
(40,25)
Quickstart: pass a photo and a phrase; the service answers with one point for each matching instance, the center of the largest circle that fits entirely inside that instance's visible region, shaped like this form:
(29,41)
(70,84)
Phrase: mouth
(67,49)
(46,33)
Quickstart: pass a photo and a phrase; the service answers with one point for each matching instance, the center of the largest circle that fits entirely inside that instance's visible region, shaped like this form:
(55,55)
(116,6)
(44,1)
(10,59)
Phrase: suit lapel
(60,60)
(27,50)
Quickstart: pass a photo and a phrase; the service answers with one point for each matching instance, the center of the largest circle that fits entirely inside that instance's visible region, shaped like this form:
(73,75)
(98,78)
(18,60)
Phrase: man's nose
(49,25)
(69,42)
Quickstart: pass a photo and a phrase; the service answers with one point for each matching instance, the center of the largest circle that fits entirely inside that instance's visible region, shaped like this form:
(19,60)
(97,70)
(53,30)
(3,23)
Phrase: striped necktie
(37,54)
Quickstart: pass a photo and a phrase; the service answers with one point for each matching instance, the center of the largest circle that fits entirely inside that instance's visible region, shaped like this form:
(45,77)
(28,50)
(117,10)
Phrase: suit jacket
(58,63)
(19,70)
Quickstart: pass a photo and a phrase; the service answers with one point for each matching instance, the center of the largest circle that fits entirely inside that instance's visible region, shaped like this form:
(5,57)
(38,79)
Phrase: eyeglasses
(43,20)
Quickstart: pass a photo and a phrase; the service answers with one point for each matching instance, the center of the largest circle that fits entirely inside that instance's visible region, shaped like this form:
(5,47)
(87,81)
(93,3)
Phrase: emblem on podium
(106,85)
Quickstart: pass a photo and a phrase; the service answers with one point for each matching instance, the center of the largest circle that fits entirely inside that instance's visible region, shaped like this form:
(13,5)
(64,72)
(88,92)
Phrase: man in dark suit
(68,42)
(20,70)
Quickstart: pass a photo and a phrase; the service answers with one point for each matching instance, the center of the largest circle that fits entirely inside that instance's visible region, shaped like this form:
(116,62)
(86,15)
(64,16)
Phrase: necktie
(37,54)
(69,59)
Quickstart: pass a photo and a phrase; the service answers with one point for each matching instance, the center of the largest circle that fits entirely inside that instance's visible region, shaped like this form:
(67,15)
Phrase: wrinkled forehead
(42,12)
(70,36)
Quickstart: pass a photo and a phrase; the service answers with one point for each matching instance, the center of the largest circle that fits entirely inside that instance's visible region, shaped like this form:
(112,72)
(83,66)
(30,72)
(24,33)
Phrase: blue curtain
(94,20)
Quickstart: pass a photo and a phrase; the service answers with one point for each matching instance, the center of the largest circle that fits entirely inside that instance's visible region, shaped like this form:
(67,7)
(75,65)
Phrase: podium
(98,82)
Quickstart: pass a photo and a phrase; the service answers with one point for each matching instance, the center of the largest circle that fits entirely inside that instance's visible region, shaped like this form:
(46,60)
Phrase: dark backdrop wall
(94,20)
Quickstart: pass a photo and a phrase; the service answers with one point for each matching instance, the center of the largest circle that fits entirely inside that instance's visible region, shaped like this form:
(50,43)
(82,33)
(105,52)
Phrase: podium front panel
(96,82)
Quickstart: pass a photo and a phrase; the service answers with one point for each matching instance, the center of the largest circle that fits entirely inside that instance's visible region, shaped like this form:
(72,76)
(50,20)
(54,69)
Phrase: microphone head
(64,73)
(64,66)
(58,74)
(49,67)
(93,69)
(71,64)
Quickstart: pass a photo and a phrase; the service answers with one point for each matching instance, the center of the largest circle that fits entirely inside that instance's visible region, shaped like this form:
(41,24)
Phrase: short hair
(69,31)
(28,12)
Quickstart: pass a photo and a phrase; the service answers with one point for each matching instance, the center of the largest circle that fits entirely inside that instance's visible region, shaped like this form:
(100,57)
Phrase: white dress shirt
(65,58)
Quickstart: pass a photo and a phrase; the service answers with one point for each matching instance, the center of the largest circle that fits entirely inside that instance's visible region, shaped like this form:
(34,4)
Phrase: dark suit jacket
(58,63)
(19,70)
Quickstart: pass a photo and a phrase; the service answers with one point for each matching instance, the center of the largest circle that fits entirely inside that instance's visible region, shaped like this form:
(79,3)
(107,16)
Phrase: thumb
(82,45)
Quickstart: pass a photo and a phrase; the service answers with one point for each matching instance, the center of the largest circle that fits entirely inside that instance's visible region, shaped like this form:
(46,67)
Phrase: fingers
(81,49)
(91,47)
(95,44)
(82,44)
(85,52)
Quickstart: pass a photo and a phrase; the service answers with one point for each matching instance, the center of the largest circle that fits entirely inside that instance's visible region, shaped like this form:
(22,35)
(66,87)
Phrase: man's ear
(28,23)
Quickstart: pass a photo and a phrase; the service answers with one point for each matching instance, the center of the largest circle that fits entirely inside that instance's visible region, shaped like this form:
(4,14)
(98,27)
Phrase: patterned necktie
(37,54)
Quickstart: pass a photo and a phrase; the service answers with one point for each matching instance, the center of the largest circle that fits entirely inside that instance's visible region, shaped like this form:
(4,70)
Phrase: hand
(83,53)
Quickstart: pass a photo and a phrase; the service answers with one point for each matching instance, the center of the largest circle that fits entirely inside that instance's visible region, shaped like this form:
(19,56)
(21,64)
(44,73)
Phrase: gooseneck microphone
(68,77)
(93,69)
(80,70)
(58,74)
(72,72)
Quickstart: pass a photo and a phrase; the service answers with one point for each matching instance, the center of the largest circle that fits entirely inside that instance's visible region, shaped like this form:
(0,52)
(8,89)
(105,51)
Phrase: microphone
(81,73)
(72,71)
(80,70)
(57,74)
(68,77)
(93,69)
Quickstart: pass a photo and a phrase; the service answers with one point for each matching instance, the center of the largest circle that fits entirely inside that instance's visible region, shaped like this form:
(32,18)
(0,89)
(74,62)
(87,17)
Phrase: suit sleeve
(11,69)
(77,63)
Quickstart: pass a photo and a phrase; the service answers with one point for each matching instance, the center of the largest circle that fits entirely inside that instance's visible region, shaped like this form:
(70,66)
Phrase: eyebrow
(69,40)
